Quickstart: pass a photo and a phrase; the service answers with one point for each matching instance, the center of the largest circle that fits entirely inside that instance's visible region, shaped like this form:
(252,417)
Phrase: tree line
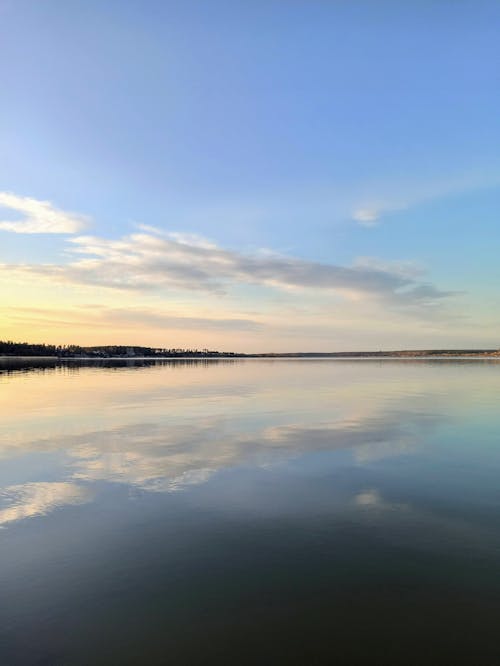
(10,348)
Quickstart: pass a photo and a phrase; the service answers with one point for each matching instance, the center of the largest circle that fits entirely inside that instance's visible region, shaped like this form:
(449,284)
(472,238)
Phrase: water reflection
(9,365)
(199,423)
(38,499)
(276,512)
(162,458)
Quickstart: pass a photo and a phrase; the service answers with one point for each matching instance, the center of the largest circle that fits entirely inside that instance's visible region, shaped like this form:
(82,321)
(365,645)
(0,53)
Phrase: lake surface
(250,512)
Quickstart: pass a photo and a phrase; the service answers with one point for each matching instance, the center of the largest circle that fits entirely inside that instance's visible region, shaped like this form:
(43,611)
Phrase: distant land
(9,348)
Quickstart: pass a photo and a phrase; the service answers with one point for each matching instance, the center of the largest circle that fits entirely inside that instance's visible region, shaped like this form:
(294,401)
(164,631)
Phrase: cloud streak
(366,216)
(132,317)
(381,199)
(39,217)
(150,261)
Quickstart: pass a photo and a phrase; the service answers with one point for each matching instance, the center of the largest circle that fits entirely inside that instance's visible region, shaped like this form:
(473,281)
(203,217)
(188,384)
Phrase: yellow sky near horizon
(56,304)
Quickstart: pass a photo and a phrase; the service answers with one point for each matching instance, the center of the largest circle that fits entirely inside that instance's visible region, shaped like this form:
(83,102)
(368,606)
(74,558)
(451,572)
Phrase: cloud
(366,216)
(99,316)
(406,269)
(134,316)
(380,198)
(149,261)
(39,217)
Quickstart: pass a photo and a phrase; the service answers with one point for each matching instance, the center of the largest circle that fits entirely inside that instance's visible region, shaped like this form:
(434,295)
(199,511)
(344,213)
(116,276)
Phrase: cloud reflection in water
(159,458)
(38,499)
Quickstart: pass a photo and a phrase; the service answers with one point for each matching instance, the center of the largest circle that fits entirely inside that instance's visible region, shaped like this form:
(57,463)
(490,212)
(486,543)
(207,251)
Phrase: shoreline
(415,355)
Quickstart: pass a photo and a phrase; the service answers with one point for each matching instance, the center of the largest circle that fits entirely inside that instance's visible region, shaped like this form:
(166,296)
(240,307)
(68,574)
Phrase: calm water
(250,512)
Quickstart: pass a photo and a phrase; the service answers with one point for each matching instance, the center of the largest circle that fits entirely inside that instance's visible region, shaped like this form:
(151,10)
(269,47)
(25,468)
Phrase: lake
(249,512)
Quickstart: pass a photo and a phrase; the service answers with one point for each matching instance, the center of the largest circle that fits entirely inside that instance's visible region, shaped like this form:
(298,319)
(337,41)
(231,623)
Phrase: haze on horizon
(260,176)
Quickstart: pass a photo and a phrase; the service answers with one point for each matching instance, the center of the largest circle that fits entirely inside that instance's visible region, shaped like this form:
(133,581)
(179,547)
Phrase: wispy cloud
(98,316)
(135,316)
(39,217)
(366,216)
(369,213)
(400,194)
(147,261)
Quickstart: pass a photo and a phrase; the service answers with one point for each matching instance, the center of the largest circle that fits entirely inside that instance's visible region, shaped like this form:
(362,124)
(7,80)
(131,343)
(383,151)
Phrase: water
(250,512)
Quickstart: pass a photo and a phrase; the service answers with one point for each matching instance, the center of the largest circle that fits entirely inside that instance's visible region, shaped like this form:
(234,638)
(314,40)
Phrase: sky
(273,175)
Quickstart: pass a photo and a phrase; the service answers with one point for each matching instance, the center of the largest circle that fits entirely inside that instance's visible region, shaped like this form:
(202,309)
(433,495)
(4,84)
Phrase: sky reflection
(169,428)
(38,499)
(186,512)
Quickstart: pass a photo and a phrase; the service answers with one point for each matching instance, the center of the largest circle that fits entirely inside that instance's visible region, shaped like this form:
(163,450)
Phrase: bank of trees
(9,348)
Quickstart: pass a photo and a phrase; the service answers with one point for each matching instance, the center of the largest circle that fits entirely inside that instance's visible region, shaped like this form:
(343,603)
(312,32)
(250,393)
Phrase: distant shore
(410,354)
(11,349)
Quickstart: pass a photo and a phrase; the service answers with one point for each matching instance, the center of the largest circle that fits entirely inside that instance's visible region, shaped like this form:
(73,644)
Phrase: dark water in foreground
(250,512)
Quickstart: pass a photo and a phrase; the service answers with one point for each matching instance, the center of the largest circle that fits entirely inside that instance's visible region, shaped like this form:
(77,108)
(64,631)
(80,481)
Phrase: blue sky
(358,136)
